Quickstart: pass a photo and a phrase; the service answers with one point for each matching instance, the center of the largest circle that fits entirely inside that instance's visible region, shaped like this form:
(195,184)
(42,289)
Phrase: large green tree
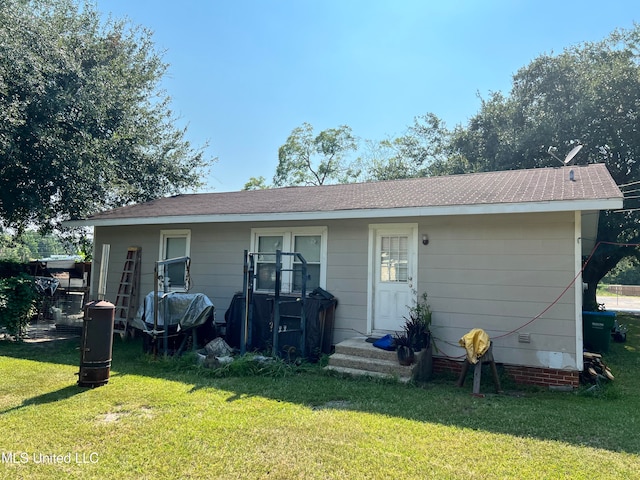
(84,124)
(414,154)
(589,95)
(310,159)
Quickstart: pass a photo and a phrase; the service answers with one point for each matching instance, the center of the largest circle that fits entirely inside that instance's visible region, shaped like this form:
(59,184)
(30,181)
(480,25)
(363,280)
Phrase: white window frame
(288,242)
(166,234)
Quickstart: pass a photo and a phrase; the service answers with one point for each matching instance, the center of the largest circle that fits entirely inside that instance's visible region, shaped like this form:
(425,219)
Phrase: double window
(308,242)
(175,244)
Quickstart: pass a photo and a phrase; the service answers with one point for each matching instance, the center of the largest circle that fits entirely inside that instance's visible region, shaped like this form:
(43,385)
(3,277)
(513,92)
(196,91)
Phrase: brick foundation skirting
(544,377)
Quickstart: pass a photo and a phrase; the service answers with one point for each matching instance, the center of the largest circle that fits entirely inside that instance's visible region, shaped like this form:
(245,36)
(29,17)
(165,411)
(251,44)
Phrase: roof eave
(428,211)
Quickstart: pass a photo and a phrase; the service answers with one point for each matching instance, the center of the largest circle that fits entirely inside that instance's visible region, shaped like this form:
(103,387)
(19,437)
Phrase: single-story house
(492,250)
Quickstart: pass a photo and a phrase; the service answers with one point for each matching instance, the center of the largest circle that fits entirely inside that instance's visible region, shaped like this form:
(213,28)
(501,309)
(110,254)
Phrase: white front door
(394,266)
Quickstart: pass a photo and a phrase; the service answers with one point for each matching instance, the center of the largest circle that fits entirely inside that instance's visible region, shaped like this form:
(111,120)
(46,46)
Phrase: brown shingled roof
(591,182)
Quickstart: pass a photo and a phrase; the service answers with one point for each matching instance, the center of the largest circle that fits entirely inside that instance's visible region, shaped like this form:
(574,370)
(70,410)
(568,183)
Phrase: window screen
(175,247)
(266,262)
(309,247)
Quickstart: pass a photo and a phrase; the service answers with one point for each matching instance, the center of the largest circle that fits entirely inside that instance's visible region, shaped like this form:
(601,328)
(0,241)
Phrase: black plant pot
(426,339)
(405,355)
(421,341)
(418,344)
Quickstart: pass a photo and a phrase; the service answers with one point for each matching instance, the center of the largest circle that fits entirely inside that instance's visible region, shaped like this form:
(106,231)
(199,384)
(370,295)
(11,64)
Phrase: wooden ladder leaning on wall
(127,298)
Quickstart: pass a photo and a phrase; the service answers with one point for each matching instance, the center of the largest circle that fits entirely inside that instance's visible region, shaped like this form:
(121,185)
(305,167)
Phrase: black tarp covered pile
(319,315)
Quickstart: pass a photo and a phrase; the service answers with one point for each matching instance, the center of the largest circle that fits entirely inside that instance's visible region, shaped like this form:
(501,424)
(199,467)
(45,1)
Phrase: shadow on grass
(49,397)
(598,420)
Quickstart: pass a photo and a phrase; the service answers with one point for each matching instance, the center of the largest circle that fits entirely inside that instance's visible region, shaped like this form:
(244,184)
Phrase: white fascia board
(436,211)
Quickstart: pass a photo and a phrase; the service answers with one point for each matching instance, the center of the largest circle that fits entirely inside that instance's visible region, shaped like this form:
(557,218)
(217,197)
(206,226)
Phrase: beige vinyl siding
(217,263)
(120,239)
(217,257)
(347,277)
(498,272)
(495,272)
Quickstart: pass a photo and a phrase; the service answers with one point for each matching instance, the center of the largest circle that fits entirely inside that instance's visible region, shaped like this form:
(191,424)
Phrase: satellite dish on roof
(567,161)
(574,151)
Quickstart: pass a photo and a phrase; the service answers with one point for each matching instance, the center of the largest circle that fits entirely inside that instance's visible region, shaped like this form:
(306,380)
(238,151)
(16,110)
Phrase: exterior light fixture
(425,239)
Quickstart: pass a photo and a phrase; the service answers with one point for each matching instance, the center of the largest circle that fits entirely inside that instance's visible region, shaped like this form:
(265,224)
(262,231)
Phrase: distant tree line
(31,245)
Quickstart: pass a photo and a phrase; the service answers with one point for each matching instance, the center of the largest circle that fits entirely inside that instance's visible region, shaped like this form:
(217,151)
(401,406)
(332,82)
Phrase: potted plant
(417,326)
(403,348)
(417,329)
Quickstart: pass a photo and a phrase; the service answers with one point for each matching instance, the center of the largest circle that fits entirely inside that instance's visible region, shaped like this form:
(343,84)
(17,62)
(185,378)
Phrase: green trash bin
(596,330)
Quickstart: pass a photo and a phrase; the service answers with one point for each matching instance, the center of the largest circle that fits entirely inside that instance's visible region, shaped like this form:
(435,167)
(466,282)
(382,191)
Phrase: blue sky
(244,73)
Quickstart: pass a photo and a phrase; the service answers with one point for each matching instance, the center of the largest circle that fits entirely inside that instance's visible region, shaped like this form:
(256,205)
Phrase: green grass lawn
(158,419)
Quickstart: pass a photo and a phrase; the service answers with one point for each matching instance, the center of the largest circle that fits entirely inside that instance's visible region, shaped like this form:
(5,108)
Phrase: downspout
(578,289)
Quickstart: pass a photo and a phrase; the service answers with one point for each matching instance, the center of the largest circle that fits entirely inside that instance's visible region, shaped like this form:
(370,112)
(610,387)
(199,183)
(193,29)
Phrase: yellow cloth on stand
(476,342)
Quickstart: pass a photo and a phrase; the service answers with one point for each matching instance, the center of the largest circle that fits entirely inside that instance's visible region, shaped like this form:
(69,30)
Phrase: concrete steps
(355,356)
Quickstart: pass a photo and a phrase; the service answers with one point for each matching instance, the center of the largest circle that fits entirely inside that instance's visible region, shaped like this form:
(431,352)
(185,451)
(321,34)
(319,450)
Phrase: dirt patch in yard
(116,416)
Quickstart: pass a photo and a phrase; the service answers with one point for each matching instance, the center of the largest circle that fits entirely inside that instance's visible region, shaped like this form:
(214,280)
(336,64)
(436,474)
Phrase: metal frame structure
(278,301)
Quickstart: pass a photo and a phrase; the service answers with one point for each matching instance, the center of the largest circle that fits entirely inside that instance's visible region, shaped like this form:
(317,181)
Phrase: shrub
(17,303)
(11,268)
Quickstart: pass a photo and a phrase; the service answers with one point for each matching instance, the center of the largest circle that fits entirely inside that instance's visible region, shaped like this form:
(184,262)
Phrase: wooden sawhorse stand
(477,372)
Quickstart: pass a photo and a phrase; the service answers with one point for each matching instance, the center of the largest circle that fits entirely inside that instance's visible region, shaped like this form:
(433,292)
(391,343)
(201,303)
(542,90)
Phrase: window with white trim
(175,244)
(394,258)
(310,242)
